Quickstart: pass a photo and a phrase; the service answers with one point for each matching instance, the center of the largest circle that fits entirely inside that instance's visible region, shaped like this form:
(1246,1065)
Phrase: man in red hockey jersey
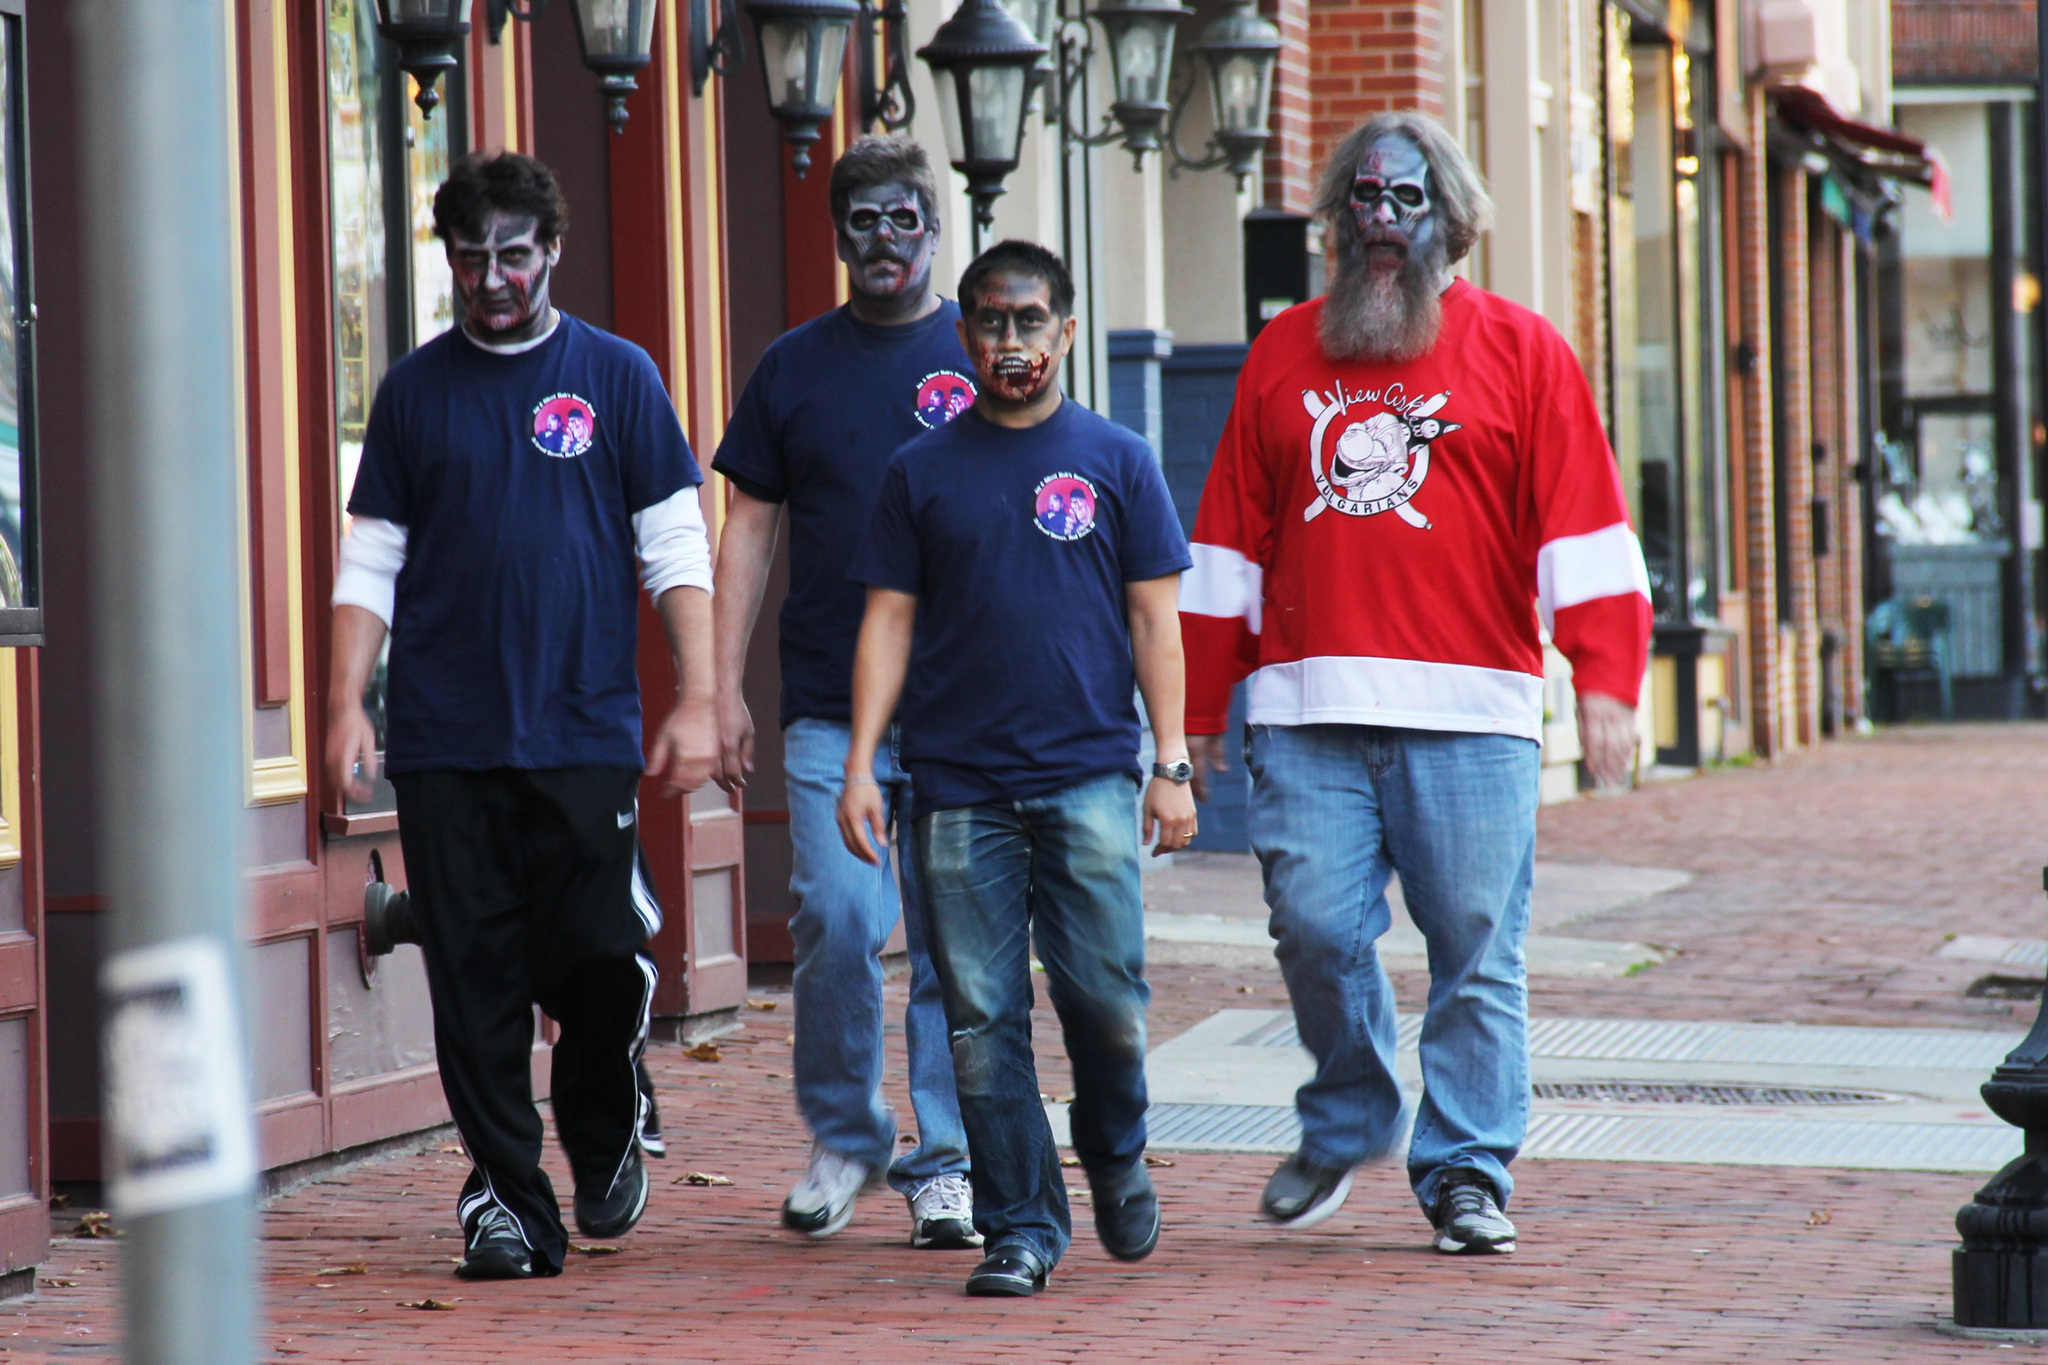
(1413,473)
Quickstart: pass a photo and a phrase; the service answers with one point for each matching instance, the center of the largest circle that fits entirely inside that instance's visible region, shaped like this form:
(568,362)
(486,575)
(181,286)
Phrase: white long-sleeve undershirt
(674,552)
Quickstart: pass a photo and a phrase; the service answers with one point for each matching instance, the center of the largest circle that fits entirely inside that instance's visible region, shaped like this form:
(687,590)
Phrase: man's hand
(1607,734)
(860,812)
(685,751)
(1170,807)
(1206,755)
(735,741)
(351,751)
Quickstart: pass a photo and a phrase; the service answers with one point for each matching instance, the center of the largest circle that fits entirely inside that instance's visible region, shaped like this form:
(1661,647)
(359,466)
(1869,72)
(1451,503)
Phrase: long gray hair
(1458,196)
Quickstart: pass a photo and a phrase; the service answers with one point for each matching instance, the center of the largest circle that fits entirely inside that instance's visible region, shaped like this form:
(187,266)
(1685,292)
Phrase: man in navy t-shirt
(1023,568)
(513,470)
(826,407)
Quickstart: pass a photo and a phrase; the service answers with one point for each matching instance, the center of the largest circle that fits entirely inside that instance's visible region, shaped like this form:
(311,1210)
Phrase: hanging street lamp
(617,37)
(1240,49)
(1141,36)
(803,51)
(982,61)
(428,34)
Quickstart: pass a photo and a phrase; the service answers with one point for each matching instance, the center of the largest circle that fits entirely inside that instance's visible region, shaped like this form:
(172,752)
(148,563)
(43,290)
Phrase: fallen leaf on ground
(778,1076)
(703,1178)
(356,1268)
(58,1284)
(60,1201)
(908,1139)
(582,1250)
(1157,1161)
(761,1004)
(453,1149)
(430,1306)
(1247,990)
(1070,1161)
(703,1052)
(1819,1218)
(99,1224)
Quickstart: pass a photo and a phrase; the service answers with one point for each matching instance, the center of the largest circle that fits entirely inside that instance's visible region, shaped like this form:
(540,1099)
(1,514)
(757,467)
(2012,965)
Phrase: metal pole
(154,113)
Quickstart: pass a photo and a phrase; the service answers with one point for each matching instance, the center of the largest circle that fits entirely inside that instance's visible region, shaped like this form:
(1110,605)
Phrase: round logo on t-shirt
(942,396)
(1065,506)
(564,425)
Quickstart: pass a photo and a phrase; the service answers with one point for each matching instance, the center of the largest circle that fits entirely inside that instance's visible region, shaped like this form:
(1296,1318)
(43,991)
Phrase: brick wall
(1963,40)
(1365,56)
(1290,170)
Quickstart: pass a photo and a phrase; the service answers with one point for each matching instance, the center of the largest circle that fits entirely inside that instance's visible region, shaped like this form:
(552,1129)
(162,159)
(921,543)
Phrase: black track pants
(528,890)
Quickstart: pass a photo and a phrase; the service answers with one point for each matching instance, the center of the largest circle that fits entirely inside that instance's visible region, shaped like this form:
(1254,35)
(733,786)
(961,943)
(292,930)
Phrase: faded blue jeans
(845,913)
(1063,870)
(1336,810)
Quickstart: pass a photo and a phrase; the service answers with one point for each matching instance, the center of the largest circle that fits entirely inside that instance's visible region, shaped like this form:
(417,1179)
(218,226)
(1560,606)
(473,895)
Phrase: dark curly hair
(1028,259)
(504,181)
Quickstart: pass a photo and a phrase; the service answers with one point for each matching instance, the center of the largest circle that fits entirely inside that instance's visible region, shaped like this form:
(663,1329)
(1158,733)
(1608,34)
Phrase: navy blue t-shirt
(825,409)
(1017,545)
(516,478)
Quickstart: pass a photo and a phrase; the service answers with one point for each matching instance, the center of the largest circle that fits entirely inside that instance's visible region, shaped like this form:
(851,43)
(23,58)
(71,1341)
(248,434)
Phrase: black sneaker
(614,1213)
(1126,1213)
(1009,1272)
(495,1250)
(1468,1221)
(651,1142)
(1302,1194)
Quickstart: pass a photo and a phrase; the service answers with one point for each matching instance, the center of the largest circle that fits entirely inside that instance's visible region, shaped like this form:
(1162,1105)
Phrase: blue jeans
(845,913)
(1063,869)
(1336,810)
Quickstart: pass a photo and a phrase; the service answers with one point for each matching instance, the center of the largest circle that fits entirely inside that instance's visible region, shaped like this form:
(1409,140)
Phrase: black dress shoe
(614,1213)
(1126,1213)
(1302,1194)
(1008,1272)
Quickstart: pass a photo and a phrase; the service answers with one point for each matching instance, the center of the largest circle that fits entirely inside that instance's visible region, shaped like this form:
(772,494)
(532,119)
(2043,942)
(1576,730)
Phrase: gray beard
(1390,318)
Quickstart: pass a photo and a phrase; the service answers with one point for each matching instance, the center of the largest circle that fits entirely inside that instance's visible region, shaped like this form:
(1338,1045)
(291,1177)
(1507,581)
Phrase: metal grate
(1630,1040)
(1723,1140)
(1650,1092)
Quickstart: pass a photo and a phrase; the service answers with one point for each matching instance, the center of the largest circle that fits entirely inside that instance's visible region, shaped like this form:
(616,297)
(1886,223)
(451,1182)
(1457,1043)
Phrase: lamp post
(1240,49)
(803,50)
(982,60)
(617,37)
(428,33)
(1141,34)
(2001,1269)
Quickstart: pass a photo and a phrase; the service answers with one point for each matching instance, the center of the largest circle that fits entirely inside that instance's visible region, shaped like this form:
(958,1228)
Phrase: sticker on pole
(177,1093)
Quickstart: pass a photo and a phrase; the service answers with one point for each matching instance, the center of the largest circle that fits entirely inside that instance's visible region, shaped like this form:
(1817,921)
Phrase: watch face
(1174,772)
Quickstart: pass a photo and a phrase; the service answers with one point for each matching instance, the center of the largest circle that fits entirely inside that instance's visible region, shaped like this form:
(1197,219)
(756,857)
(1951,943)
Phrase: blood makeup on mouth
(1018,377)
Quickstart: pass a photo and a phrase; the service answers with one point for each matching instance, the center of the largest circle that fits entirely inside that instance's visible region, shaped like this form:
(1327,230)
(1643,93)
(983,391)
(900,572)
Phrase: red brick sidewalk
(1825,884)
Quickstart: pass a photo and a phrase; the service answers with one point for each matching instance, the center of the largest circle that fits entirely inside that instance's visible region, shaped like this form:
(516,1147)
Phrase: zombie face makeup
(1016,341)
(1390,201)
(887,241)
(501,279)
(1384,302)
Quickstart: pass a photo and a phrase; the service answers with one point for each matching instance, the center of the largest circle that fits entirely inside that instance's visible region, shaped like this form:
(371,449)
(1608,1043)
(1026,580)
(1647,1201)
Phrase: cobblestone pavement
(1825,884)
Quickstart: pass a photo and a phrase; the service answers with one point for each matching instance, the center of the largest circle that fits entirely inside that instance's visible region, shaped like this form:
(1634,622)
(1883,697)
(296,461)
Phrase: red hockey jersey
(1376,542)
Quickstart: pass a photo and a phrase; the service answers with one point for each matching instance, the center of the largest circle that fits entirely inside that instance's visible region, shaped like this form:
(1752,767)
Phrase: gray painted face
(1390,198)
(887,241)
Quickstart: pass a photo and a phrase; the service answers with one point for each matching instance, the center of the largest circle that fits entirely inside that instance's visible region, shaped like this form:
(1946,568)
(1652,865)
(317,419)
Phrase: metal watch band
(1181,771)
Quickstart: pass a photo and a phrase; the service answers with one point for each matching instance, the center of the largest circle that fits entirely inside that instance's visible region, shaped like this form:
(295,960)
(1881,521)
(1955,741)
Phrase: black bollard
(2001,1269)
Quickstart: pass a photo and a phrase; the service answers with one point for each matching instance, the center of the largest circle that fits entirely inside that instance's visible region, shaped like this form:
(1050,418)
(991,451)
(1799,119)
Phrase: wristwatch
(1174,772)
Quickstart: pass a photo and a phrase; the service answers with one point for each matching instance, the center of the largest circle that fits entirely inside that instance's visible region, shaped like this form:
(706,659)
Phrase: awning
(1885,151)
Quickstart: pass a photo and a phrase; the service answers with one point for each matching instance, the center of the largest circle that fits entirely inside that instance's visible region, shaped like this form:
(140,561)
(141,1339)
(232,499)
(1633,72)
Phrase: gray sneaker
(942,1214)
(822,1202)
(1468,1222)
(1302,1194)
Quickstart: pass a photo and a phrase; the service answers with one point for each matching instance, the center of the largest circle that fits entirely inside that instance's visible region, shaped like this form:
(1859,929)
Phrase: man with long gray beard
(1411,464)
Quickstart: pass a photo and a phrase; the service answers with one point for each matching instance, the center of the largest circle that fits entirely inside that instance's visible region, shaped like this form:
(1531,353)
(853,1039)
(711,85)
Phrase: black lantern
(618,41)
(1042,17)
(428,34)
(1240,49)
(1141,65)
(982,60)
(803,52)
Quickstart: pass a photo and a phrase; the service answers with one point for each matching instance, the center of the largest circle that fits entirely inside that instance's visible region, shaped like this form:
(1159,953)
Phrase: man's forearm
(686,616)
(1161,665)
(358,638)
(880,661)
(746,546)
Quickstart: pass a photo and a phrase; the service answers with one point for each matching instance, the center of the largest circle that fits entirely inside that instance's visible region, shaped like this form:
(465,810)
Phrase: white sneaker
(822,1201)
(942,1214)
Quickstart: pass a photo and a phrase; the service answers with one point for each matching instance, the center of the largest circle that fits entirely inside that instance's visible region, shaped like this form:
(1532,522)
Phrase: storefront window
(1657,359)
(20,599)
(392,287)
